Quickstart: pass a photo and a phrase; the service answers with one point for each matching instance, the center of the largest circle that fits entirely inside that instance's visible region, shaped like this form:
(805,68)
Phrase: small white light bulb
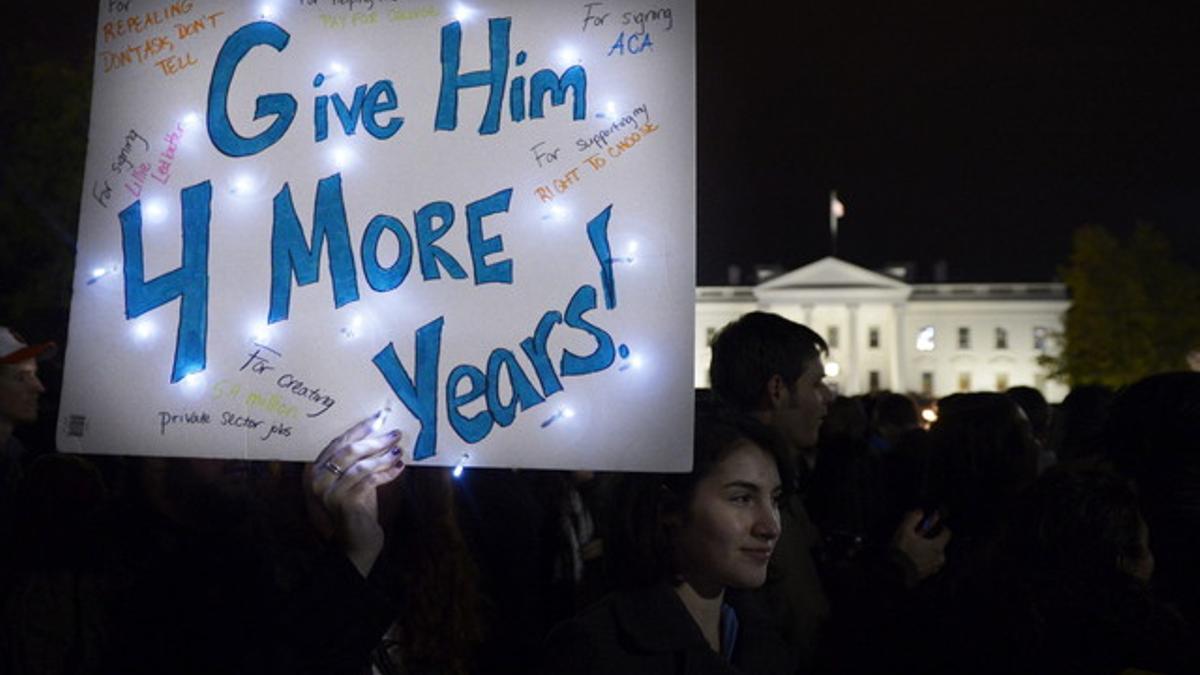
(341,157)
(261,332)
(567,56)
(143,330)
(243,185)
(462,462)
(154,210)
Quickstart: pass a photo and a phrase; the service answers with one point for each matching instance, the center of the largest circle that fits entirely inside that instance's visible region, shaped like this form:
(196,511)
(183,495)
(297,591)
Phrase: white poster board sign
(478,215)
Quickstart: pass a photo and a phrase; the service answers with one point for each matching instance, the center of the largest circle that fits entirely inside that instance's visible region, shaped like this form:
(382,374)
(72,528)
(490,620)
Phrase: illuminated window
(927,383)
(831,337)
(873,337)
(964,382)
(1001,338)
(1039,338)
(925,339)
(964,337)
(1001,381)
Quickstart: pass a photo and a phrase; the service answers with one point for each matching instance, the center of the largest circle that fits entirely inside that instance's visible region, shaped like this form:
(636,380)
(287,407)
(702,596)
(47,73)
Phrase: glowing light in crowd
(832,369)
(929,415)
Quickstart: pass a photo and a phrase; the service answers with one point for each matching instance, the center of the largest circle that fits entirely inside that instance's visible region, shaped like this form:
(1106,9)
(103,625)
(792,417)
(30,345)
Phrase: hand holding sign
(340,488)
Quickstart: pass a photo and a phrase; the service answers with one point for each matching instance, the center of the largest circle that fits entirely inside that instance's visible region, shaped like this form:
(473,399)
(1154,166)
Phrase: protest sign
(480,216)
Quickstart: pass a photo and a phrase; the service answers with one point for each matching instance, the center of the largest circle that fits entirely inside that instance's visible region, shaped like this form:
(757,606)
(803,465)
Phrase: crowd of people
(815,533)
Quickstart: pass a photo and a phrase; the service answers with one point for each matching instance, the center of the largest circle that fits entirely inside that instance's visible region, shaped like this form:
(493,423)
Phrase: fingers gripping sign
(340,486)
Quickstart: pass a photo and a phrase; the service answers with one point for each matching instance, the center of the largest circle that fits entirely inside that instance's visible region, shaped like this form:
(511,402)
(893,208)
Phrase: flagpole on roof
(836,210)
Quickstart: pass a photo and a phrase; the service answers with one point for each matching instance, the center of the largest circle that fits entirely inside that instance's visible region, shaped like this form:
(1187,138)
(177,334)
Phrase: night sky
(982,133)
(977,132)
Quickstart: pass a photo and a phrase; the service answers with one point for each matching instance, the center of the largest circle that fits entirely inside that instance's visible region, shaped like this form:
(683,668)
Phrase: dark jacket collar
(656,620)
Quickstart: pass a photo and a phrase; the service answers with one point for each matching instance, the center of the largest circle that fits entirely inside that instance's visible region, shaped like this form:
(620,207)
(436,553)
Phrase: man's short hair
(749,351)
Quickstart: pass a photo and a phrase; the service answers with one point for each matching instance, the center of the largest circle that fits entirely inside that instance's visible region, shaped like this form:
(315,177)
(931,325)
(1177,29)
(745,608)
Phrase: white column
(898,360)
(852,384)
(808,312)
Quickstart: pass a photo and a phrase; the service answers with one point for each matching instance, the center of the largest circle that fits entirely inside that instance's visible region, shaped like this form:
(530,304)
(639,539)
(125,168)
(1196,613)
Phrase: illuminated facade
(883,333)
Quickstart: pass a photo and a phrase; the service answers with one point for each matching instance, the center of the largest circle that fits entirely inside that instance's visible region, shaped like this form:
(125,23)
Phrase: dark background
(980,132)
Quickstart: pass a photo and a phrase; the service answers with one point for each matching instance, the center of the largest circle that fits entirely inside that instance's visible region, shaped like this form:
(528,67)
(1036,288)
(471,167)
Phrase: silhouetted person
(1154,437)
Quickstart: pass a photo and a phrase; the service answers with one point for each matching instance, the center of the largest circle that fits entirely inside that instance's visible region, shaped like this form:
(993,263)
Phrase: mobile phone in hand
(931,524)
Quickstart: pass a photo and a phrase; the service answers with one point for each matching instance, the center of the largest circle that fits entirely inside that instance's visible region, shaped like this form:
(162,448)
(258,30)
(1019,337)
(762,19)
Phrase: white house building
(883,333)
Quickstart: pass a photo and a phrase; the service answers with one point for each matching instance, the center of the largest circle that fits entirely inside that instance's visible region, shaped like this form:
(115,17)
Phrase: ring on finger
(333,468)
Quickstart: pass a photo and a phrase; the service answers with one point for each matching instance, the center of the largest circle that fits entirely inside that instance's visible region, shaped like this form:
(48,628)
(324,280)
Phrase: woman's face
(731,525)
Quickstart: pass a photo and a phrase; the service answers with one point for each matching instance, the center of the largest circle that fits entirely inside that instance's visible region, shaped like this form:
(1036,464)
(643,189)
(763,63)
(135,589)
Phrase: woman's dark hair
(1073,525)
(440,623)
(1058,598)
(638,550)
(982,455)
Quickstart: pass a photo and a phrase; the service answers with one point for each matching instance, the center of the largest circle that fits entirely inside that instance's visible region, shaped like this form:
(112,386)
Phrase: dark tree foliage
(1134,311)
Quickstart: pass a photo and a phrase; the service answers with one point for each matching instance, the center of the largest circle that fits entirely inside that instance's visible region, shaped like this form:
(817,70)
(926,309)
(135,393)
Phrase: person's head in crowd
(20,387)
(893,415)
(982,455)
(770,367)
(1078,425)
(1035,407)
(1153,431)
(845,421)
(1082,524)
(710,529)
(197,493)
